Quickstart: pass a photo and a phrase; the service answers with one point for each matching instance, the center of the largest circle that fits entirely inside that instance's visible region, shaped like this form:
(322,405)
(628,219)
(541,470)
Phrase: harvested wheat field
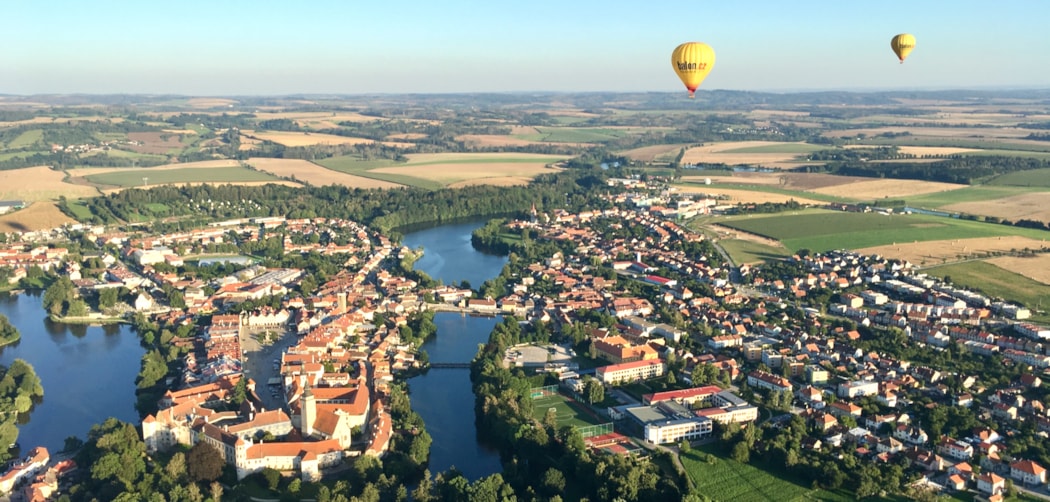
(39,183)
(651,153)
(449,173)
(40,215)
(305,118)
(159,143)
(311,173)
(465,157)
(937,252)
(1035,267)
(886,188)
(809,182)
(744,196)
(288,138)
(1032,206)
(721,153)
(202,103)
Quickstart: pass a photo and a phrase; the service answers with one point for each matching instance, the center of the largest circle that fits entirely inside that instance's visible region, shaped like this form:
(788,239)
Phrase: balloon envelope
(692,61)
(902,45)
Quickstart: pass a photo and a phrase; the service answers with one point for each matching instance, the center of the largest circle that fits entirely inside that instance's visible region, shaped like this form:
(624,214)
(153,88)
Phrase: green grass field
(780,148)
(133,177)
(752,252)
(11,155)
(27,139)
(568,414)
(968,194)
(727,479)
(997,283)
(821,230)
(1031,178)
(79,210)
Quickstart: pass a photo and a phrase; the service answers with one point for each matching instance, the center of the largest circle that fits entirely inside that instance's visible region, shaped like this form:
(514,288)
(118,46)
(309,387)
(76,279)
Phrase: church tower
(309,412)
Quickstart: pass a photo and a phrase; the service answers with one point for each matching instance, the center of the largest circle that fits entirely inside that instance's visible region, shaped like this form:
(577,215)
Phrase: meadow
(1031,178)
(821,230)
(997,282)
(26,139)
(746,251)
(134,178)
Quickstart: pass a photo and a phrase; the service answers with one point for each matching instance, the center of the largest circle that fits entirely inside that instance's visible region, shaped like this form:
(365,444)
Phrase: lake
(88,372)
(444,397)
(450,256)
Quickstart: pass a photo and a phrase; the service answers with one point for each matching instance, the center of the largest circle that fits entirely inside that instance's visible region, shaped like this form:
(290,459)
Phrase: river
(443,397)
(88,372)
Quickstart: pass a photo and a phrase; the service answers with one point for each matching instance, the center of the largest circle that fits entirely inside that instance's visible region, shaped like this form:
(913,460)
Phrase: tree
(58,295)
(204,463)
(215,489)
(595,391)
(77,308)
(176,467)
(553,481)
(741,452)
(107,298)
(272,477)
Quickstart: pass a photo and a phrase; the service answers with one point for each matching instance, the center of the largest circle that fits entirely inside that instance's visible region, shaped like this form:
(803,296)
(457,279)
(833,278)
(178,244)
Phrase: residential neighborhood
(715,344)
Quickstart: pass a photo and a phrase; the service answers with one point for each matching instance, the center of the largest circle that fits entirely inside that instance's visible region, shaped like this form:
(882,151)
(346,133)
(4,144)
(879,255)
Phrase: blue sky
(233,47)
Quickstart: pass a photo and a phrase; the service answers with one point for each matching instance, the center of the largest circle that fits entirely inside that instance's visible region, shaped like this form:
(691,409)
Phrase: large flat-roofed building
(670,422)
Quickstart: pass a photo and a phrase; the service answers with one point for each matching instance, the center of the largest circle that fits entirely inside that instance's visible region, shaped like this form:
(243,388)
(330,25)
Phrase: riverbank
(91,320)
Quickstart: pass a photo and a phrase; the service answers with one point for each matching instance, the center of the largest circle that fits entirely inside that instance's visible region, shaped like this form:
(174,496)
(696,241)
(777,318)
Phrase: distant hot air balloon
(902,45)
(692,61)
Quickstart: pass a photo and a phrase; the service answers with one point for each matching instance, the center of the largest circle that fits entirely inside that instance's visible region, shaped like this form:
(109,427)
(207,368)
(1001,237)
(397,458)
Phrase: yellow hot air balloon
(902,45)
(692,61)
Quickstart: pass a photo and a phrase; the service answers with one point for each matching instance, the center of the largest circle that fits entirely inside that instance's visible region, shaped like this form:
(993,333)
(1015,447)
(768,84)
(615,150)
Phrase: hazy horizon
(240,48)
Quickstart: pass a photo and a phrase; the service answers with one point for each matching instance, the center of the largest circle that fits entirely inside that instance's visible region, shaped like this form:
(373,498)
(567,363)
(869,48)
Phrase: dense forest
(382,209)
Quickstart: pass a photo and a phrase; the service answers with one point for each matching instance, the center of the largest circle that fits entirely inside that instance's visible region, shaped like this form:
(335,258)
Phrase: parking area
(532,356)
(262,364)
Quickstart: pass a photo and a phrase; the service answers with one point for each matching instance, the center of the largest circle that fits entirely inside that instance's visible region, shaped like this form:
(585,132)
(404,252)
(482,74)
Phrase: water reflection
(443,397)
(88,372)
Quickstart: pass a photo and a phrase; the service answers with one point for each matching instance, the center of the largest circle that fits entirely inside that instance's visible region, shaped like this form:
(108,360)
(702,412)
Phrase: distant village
(308,420)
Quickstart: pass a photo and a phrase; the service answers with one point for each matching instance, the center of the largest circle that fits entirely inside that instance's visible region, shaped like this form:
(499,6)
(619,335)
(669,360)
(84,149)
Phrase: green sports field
(568,413)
